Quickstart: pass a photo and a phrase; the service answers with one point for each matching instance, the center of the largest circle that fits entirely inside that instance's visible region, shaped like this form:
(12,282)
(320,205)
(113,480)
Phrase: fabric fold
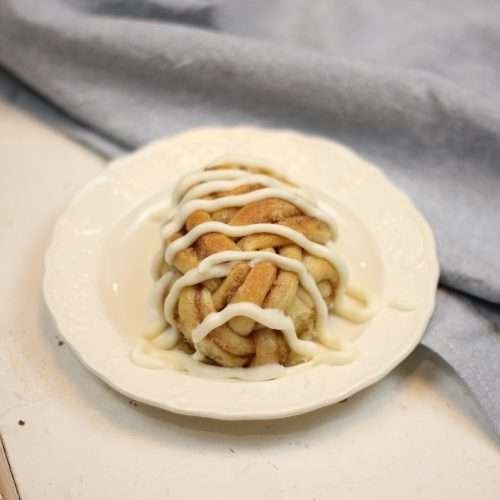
(420,100)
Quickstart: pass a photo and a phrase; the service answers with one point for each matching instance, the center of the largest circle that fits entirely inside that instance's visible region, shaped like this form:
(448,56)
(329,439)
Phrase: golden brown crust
(188,316)
(185,260)
(231,342)
(246,188)
(259,241)
(262,211)
(224,215)
(209,243)
(270,347)
(285,286)
(313,229)
(230,285)
(254,289)
(321,270)
(220,356)
(302,315)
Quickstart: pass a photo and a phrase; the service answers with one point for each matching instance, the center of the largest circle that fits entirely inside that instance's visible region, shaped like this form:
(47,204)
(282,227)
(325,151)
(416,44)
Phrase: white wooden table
(417,434)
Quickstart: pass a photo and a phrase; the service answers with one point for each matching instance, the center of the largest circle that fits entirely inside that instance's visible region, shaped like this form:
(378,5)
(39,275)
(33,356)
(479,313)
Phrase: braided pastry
(248,275)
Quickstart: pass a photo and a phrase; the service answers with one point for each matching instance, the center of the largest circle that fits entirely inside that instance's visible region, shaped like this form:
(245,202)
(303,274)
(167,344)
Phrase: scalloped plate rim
(121,163)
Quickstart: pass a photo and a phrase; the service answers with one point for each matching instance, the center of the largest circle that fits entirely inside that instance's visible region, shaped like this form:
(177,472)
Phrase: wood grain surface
(8,488)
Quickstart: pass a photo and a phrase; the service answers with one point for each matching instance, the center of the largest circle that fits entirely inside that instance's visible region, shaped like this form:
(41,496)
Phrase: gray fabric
(413,86)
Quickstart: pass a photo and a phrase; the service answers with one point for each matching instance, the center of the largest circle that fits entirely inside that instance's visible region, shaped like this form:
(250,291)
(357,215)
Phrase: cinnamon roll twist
(247,272)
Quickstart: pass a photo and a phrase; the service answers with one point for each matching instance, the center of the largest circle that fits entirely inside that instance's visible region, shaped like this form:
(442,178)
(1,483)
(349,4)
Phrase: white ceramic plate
(97,276)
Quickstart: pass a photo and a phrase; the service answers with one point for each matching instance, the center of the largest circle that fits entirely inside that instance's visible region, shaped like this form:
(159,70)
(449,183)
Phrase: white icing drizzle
(159,289)
(240,200)
(193,178)
(401,305)
(162,214)
(351,302)
(286,263)
(311,247)
(156,265)
(210,268)
(272,318)
(198,184)
(216,186)
(192,277)
(350,309)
